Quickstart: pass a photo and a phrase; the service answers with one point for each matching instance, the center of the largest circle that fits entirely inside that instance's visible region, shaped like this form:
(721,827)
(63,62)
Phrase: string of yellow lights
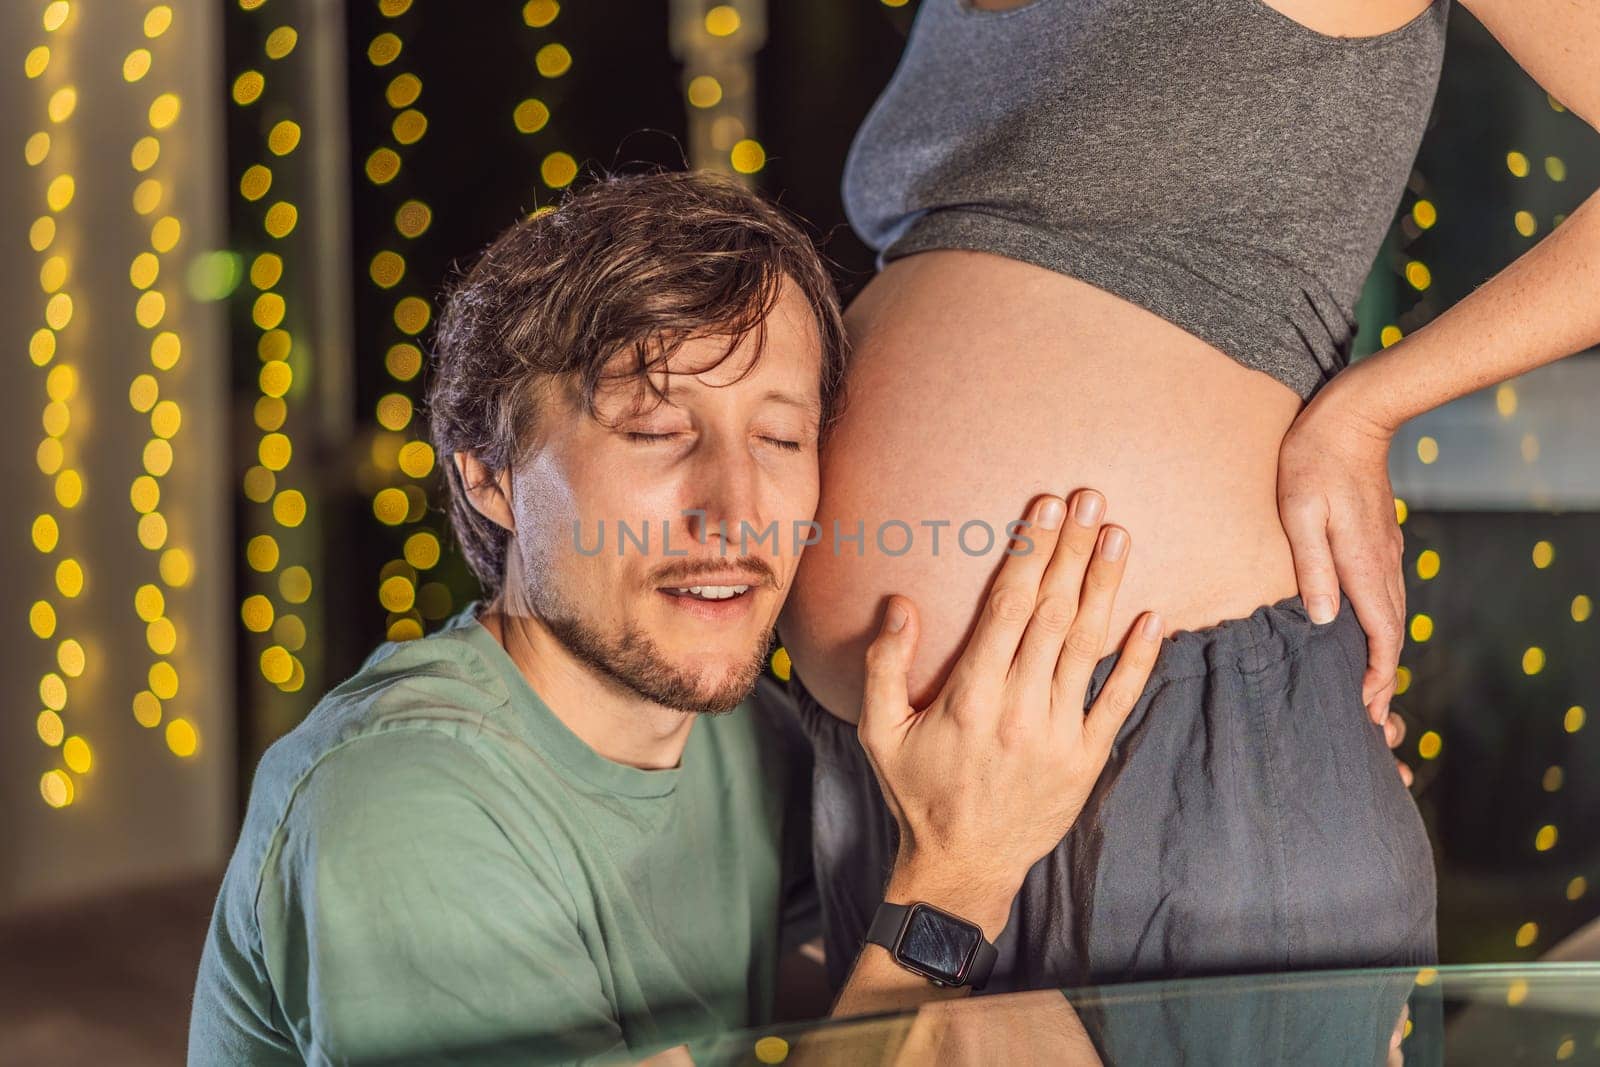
(717,47)
(558,169)
(269,483)
(54,238)
(396,452)
(1423,216)
(154,600)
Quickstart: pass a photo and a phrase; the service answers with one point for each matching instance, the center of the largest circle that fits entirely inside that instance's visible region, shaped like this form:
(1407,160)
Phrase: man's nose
(726,495)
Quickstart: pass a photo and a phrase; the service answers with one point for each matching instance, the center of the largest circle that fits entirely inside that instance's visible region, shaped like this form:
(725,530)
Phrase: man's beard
(632,660)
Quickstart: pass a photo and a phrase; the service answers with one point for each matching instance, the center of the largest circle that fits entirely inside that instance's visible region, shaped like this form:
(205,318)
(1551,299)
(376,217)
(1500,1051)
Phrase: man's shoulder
(402,730)
(406,693)
(410,717)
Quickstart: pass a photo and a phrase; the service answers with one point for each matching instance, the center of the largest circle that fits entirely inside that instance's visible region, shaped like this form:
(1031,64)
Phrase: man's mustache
(685,573)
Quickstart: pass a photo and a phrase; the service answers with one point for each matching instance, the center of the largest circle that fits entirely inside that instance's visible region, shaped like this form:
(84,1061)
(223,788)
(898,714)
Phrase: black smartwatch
(945,949)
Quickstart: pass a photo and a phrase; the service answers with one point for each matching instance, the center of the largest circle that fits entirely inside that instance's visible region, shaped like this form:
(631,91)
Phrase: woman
(1120,243)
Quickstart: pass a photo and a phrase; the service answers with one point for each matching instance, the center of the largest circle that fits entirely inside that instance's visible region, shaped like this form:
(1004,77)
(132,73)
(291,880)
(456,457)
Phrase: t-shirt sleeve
(406,911)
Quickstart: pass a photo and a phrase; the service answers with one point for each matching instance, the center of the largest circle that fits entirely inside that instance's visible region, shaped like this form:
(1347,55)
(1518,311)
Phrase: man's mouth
(717,598)
(708,592)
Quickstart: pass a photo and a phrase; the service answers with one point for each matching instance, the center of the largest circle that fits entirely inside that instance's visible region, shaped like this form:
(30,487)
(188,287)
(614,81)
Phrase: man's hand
(1337,508)
(1020,1028)
(992,774)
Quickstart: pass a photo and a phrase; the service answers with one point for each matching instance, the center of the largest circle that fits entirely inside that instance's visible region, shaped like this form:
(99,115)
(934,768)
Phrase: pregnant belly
(978,382)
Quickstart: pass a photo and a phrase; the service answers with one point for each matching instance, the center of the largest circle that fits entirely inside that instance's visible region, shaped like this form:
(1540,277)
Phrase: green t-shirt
(433,866)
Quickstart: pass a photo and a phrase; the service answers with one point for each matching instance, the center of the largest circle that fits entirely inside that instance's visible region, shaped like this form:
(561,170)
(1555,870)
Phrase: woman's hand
(1337,508)
(992,774)
(1394,732)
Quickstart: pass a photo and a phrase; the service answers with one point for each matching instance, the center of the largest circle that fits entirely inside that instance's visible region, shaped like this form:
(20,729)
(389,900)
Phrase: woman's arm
(1546,304)
(1333,482)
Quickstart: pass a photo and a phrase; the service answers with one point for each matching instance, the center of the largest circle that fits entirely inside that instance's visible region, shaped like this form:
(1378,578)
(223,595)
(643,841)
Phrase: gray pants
(1250,819)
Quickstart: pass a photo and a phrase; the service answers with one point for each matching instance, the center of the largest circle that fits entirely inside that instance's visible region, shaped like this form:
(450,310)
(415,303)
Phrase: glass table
(1544,1013)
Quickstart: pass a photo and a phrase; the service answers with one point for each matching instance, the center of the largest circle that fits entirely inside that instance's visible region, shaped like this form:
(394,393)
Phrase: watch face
(937,944)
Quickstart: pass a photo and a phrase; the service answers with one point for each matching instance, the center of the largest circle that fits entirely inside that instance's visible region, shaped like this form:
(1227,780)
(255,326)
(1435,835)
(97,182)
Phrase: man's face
(681,474)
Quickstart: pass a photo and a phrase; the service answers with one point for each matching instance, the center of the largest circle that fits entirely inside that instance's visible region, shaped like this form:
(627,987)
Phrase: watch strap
(886,925)
(891,919)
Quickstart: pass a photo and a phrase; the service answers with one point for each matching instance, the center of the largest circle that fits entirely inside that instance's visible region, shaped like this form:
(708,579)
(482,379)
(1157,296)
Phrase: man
(574,821)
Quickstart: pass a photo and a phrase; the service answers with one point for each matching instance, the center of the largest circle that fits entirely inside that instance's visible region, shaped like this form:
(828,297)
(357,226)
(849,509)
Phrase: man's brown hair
(638,262)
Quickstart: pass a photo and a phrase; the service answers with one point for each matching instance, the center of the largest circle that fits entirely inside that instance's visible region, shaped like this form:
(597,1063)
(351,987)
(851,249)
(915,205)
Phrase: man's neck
(623,727)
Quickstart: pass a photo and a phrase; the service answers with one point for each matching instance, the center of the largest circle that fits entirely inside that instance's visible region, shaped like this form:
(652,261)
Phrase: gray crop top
(1213,161)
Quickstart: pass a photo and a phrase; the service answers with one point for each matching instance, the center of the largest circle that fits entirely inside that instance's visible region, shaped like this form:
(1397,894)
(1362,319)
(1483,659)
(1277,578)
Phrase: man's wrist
(980,899)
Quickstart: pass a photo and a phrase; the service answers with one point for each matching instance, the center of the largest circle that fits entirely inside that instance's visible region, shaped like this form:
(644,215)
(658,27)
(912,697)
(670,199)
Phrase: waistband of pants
(1268,635)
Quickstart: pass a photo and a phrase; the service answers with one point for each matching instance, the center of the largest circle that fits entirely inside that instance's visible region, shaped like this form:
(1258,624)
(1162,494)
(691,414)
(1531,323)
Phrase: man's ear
(490,497)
